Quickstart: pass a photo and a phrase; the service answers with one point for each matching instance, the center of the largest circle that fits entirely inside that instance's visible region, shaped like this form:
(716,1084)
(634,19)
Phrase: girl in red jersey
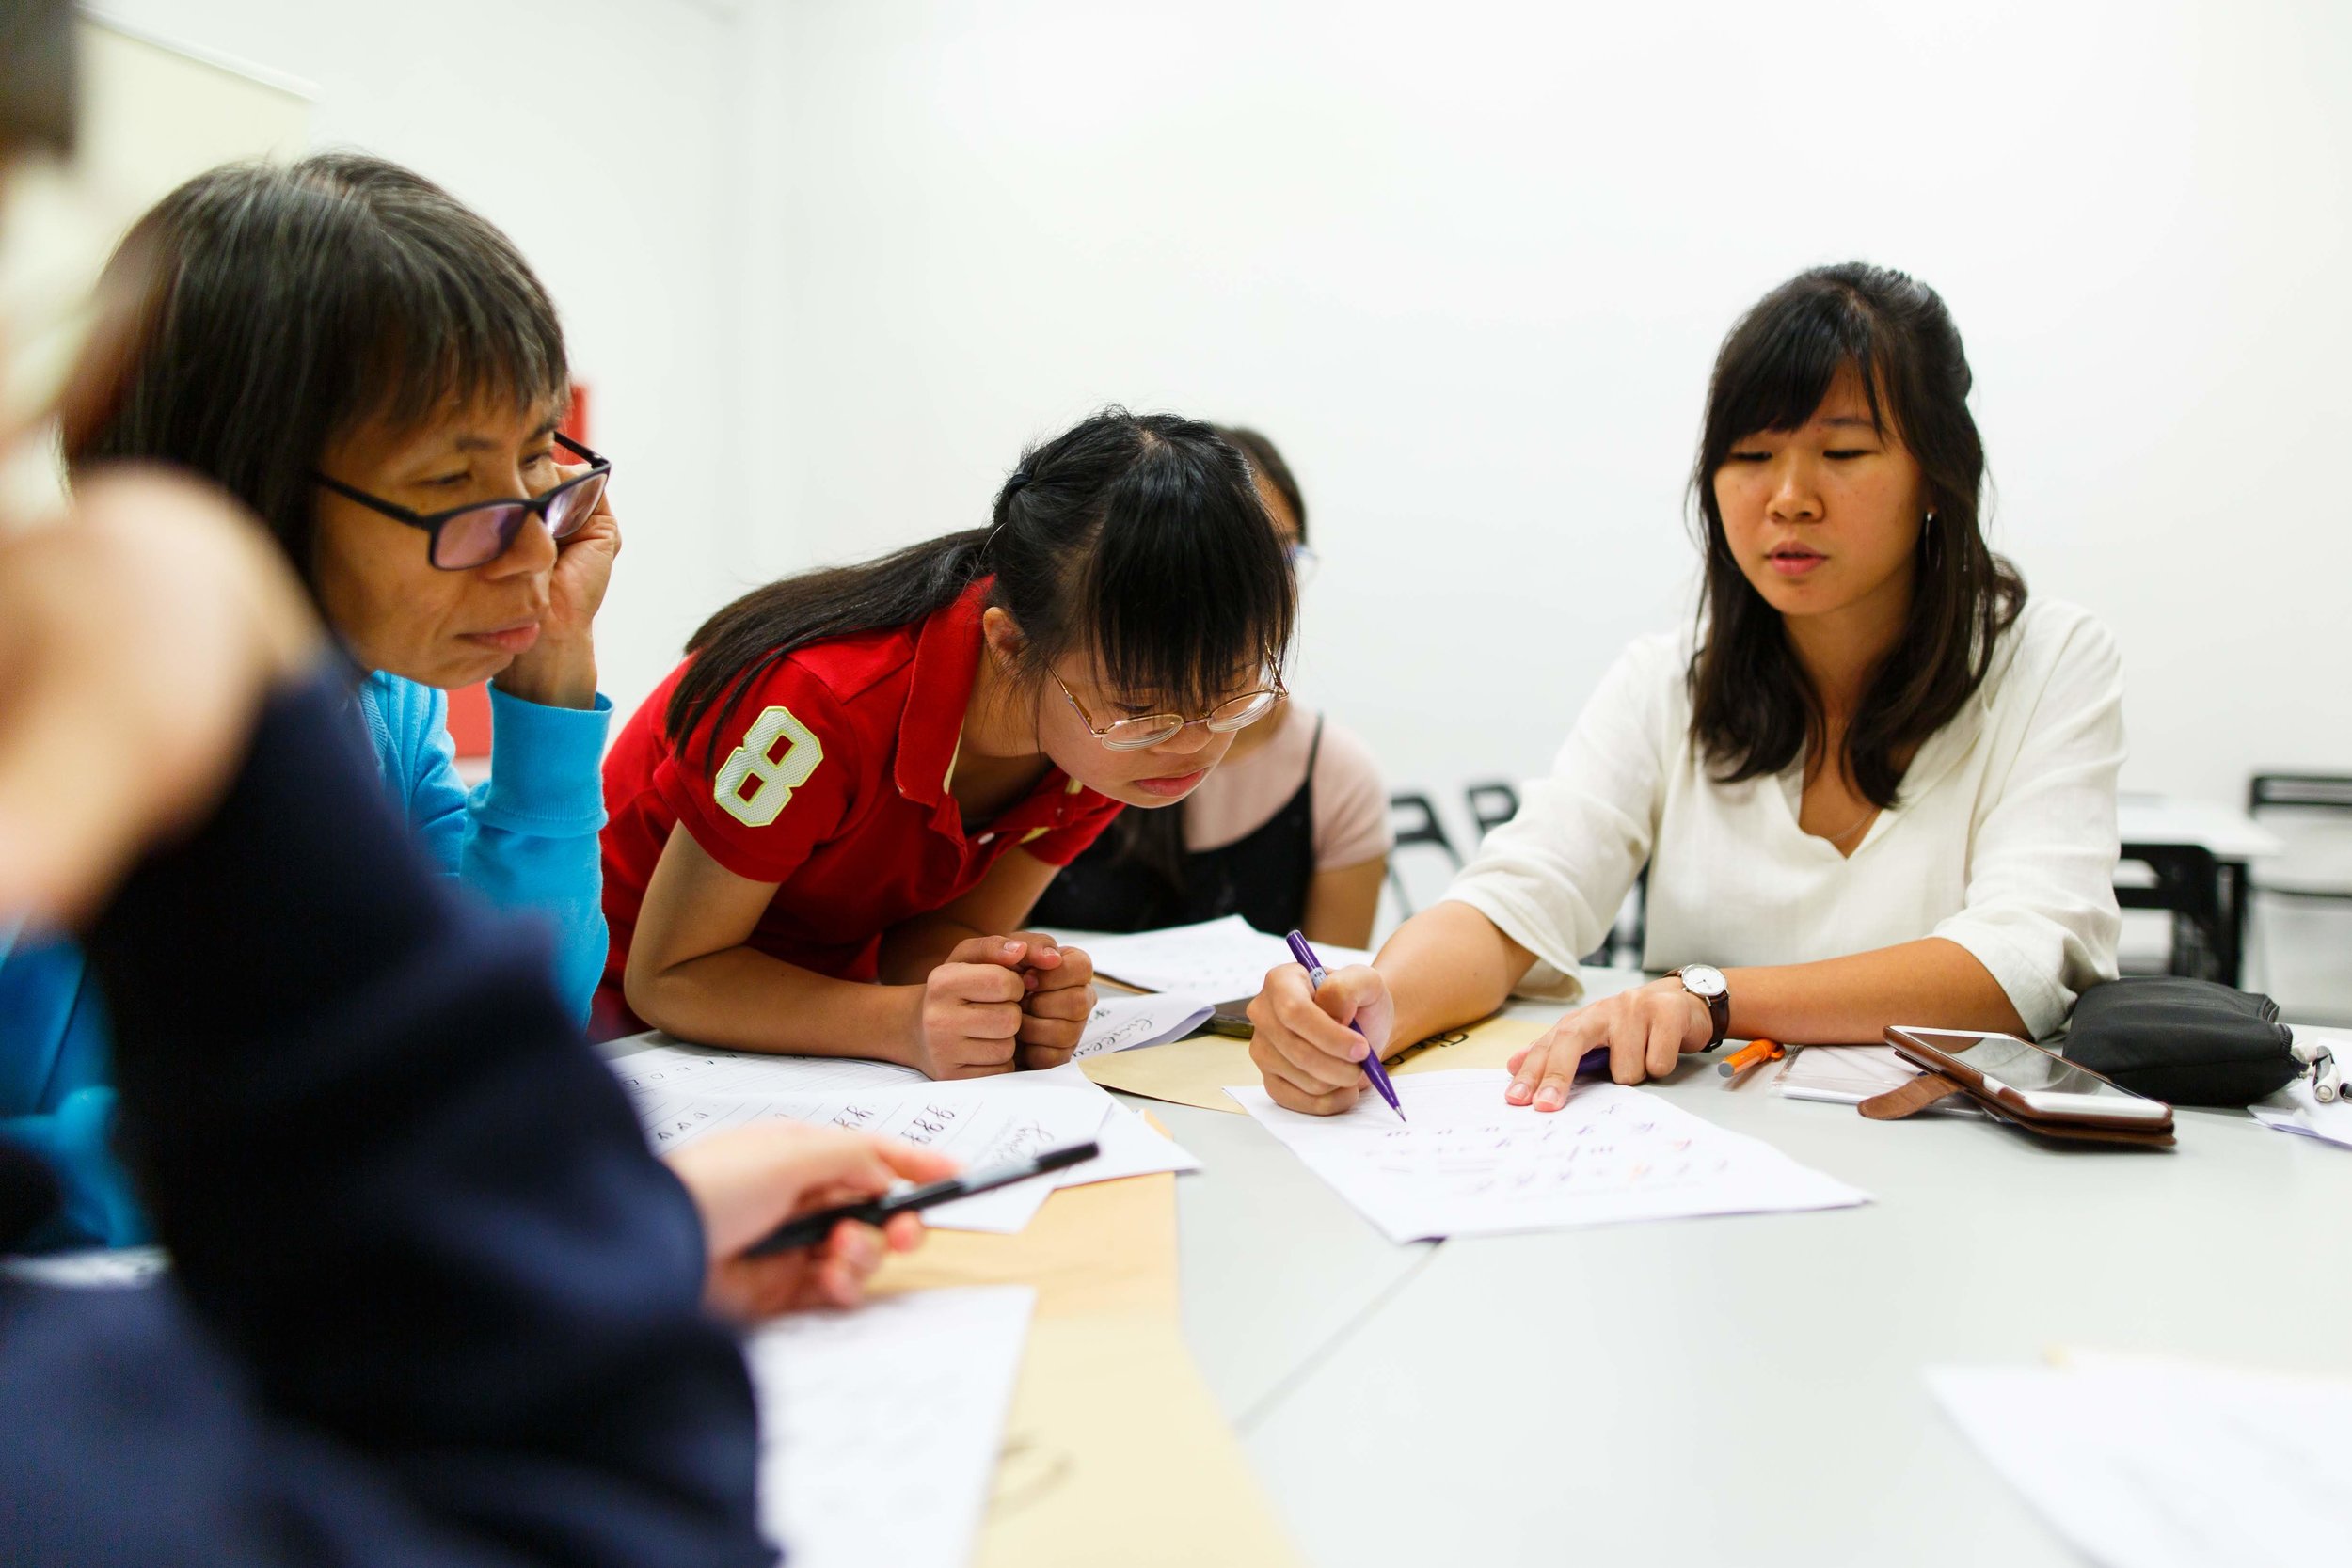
(828,825)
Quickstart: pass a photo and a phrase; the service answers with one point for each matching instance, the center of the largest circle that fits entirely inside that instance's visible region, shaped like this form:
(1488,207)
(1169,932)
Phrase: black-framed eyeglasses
(479,532)
(1153,729)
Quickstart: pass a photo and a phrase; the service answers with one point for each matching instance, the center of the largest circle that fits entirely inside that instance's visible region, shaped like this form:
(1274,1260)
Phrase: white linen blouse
(2003,838)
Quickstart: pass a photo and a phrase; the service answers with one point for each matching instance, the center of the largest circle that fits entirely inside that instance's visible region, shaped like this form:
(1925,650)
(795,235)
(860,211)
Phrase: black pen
(809,1229)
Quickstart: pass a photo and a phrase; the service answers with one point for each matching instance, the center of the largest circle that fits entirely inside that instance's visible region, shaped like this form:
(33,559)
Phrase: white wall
(827,264)
(1468,264)
(605,136)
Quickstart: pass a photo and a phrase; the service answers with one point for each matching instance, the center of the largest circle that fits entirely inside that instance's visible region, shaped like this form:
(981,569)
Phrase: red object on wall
(470,705)
(470,719)
(576,419)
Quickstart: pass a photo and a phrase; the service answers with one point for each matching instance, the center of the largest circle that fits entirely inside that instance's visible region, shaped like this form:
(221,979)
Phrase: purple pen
(1373,1070)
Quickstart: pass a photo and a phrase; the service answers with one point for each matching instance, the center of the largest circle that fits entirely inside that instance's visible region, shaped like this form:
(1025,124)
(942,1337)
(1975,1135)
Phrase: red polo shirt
(830,778)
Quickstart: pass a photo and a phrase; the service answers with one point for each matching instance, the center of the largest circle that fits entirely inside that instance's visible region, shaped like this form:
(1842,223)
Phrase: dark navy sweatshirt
(432,1301)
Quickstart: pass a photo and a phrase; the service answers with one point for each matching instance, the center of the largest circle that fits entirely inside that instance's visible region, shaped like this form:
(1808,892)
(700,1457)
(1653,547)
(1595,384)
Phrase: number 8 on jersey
(778,776)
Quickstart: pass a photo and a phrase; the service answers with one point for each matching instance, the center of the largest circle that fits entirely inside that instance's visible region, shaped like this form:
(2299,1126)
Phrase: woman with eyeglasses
(376,372)
(1291,833)
(372,369)
(829,825)
(1875,786)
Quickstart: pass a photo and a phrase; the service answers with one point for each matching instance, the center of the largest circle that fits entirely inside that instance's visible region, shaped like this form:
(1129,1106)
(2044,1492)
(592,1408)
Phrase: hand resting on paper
(1309,1058)
(1060,998)
(1002,1003)
(1647,1030)
(749,1179)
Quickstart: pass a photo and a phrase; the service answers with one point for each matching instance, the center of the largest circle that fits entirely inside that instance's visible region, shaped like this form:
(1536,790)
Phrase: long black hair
(284,306)
(1752,710)
(1153,841)
(1138,538)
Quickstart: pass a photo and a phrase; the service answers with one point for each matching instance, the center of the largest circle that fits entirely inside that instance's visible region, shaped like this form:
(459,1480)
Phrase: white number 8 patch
(778,776)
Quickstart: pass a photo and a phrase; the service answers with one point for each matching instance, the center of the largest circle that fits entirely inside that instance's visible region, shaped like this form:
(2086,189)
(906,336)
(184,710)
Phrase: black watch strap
(1719,1008)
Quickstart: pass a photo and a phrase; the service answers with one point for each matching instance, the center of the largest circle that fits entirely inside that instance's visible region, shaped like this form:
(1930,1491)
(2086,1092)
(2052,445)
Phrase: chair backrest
(1491,804)
(1414,818)
(2311,814)
(2181,879)
(1414,815)
(2302,897)
(2184,880)
(2314,791)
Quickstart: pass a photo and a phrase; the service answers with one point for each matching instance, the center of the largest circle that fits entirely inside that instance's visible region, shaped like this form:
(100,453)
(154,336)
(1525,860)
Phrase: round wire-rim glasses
(1153,729)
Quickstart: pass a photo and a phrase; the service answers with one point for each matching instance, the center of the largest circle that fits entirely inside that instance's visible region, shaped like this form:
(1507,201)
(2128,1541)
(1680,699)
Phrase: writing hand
(747,1181)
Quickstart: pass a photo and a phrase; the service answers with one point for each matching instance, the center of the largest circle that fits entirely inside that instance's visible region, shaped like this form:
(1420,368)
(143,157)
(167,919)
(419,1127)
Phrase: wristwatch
(1706,983)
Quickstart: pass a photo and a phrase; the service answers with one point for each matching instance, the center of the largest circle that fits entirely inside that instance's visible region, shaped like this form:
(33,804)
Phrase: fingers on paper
(1544,1073)
(1291,1095)
(1322,1091)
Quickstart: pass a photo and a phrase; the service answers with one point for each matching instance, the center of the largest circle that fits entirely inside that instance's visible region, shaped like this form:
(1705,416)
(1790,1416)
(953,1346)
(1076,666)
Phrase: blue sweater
(526,841)
(432,1303)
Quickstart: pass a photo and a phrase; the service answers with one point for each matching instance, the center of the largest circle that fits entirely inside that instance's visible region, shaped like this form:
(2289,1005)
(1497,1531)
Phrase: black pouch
(2187,1042)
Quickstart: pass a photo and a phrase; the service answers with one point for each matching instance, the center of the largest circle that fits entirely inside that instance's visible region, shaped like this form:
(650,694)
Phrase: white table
(1733,1391)
(2225,833)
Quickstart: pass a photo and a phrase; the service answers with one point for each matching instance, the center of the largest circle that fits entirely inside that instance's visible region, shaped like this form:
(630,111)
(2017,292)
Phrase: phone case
(1932,1086)
(1232,1017)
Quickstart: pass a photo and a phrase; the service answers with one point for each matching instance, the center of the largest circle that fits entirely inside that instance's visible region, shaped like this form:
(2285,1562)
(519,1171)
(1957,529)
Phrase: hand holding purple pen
(1373,1070)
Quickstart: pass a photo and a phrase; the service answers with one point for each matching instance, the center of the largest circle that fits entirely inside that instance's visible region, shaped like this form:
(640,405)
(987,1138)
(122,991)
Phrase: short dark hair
(1139,538)
(36,63)
(1751,709)
(1266,460)
(284,306)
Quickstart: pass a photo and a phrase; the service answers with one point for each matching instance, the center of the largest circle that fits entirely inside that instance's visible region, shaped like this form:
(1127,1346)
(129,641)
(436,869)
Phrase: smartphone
(2023,1076)
(1232,1017)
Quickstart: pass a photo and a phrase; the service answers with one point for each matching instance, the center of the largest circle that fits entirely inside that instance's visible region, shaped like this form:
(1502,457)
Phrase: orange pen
(1754,1053)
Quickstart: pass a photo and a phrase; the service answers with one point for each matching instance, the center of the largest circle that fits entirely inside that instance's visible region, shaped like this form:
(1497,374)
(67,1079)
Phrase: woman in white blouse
(1876,786)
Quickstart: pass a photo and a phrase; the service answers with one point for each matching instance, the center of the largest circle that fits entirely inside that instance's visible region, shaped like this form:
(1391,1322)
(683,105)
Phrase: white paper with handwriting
(683,1093)
(1221,959)
(972,1121)
(1134,1022)
(1462,1162)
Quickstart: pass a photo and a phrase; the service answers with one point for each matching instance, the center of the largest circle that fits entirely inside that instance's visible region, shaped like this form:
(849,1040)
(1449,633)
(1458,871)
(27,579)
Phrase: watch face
(1704,980)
